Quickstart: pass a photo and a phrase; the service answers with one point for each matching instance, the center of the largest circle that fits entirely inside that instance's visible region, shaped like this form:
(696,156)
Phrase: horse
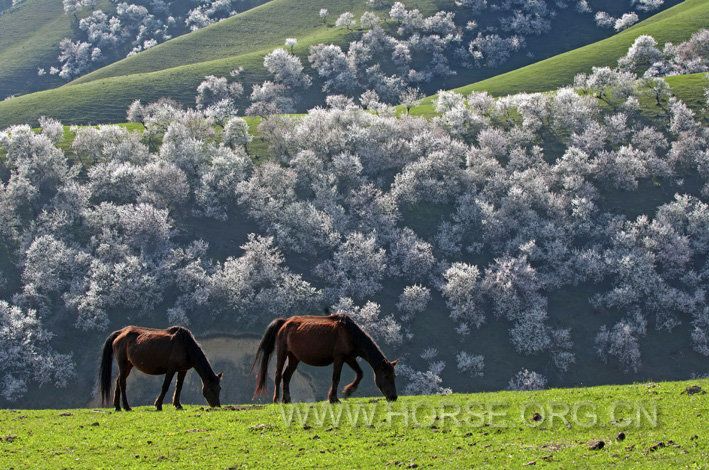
(320,341)
(156,352)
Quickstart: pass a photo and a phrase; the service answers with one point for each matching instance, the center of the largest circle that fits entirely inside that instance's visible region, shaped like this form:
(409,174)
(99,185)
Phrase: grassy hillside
(176,67)
(689,88)
(29,38)
(265,27)
(261,28)
(673,25)
(662,426)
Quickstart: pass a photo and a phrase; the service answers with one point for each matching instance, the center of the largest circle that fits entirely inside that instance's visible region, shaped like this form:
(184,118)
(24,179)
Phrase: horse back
(316,340)
(153,351)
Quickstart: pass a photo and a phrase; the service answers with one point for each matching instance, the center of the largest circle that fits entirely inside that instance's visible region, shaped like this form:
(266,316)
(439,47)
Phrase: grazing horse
(156,352)
(320,341)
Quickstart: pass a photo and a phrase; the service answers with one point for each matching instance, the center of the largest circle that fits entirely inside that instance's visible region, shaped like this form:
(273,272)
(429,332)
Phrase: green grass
(688,88)
(675,25)
(257,148)
(258,436)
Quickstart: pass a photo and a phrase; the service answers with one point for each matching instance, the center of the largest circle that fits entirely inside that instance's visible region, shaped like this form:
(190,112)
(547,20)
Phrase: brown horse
(156,352)
(320,341)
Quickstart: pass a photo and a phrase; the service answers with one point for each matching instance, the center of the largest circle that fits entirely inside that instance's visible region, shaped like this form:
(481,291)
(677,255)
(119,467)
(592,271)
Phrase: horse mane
(363,343)
(195,352)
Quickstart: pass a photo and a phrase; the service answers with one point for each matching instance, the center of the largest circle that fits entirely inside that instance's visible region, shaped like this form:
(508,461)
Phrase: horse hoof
(178,407)
(158,408)
(334,401)
(118,409)
(128,409)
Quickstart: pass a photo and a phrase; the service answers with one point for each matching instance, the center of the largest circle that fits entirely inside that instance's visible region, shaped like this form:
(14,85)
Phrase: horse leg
(178,389)
(287,374)
(117,394)
(125,371)
(165,385)
(280,362)
(350,388)
(336,370)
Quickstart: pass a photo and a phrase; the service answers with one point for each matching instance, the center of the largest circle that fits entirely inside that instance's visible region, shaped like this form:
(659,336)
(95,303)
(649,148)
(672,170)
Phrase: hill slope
(261,28)
(29,38)
(176,67)
(663,426)
(673,25)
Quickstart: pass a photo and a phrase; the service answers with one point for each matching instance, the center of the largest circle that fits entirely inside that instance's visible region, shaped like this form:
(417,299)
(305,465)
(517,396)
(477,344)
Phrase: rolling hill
(649,425)
(29,38)
(176,67)
(674,25)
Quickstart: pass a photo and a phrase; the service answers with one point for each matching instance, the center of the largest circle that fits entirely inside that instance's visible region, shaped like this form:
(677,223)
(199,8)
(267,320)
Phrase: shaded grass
(29,38)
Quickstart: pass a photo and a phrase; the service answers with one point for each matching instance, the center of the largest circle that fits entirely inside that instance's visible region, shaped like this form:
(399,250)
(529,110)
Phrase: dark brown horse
(320,341)
(156,352)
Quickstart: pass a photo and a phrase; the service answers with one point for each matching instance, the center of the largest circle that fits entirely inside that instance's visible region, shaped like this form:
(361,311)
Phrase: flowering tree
(473,365)
(346,20)
(236,133)
(26,354)
(216,96)
(427,382)
(414,299)
(527,380)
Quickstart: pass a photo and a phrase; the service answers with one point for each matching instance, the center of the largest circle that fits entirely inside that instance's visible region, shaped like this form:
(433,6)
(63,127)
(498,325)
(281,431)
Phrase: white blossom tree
(527,380)
(26,356)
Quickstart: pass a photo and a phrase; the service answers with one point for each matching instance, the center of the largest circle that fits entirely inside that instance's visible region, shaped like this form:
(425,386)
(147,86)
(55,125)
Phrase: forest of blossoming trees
(418,48)
(418,57)
(475,217)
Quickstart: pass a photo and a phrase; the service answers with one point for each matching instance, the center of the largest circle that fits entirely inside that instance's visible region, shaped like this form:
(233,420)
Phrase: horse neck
(369,351)
(200,361)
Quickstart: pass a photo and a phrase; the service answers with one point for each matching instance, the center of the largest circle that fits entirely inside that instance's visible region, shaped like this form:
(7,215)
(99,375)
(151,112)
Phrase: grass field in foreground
(663,427)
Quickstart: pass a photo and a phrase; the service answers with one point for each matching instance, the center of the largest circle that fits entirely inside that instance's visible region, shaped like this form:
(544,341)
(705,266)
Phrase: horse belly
(315,346)
(316,361)
(149,361)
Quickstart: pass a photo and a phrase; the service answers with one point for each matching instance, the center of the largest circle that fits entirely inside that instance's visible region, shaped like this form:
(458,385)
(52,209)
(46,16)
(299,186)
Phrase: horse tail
(265,349)
(106,368)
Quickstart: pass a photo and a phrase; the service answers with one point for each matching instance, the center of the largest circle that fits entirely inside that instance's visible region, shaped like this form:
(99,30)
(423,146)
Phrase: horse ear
(220,375)
(394,362)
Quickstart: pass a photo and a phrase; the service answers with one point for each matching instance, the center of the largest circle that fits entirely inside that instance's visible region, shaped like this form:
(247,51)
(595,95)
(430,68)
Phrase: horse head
(211,389)
(385,378)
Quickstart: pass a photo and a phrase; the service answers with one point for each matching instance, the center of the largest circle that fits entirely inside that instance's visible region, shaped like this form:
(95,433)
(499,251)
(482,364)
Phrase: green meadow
(646,425)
